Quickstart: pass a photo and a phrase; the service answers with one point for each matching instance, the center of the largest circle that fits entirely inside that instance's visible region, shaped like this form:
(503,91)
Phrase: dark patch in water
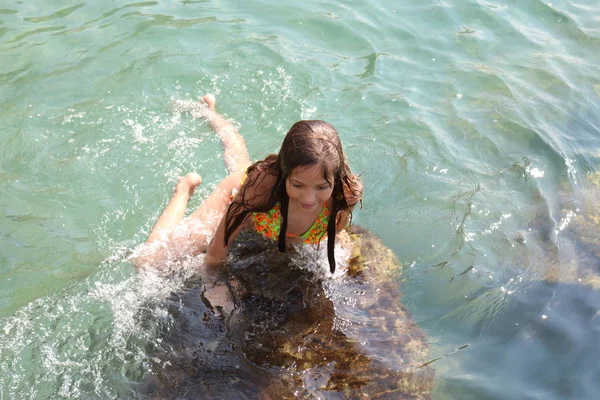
(546,339)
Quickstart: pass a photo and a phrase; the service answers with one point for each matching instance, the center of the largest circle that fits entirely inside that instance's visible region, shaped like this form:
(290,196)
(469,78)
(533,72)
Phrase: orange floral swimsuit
(268,224)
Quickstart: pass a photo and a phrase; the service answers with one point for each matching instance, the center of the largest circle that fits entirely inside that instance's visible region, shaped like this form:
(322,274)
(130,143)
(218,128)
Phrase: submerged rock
(295,332)
(543,338)
(584,226)
(581,216)
(566,246)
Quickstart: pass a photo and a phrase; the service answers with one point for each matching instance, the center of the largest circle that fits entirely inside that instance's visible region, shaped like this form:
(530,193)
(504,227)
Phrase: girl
(301,195)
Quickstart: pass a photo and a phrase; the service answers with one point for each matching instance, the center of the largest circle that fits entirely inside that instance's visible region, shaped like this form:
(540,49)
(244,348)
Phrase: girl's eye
(296,185)
(323,187)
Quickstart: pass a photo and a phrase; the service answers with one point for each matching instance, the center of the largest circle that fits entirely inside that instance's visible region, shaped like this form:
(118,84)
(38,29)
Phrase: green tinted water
(464,118)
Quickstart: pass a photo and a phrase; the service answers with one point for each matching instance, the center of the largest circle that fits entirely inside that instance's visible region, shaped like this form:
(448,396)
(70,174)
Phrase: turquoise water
(470,121)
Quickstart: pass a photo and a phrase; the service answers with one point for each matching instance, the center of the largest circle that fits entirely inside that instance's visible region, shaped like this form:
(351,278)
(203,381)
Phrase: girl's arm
(343,219)
(254,192)
(217,251)
(215,289)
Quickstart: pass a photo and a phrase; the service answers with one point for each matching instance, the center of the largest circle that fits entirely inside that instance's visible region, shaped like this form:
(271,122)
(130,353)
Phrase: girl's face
(307,189)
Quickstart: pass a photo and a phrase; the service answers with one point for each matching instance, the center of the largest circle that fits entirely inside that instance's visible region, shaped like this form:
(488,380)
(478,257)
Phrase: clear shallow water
(469,122)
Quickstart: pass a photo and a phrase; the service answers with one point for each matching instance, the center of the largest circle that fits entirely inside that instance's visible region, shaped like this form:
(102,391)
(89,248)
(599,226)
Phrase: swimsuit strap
(268,224)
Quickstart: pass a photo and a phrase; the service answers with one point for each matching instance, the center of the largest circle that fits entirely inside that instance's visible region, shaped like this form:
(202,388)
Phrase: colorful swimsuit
(268,224)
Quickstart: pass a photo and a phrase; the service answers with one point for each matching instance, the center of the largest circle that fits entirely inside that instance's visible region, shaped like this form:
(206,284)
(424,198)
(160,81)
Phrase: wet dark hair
(307,143)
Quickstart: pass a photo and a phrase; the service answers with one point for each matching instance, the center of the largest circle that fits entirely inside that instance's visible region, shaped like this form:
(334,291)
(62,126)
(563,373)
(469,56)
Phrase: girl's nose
(309,197)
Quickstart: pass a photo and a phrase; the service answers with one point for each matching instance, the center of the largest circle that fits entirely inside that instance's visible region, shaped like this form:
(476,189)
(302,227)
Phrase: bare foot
(210,101)
(188,183)
(204,108)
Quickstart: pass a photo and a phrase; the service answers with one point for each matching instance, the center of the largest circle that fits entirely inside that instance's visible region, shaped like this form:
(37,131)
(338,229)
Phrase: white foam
(535,172)
(565,221)
(137,130)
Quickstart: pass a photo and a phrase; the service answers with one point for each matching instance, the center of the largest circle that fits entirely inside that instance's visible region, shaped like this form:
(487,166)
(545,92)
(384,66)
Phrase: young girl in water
(301,195)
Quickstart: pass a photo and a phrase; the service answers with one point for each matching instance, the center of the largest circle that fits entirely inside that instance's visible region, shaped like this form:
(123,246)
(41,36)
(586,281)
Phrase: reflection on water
(295,333)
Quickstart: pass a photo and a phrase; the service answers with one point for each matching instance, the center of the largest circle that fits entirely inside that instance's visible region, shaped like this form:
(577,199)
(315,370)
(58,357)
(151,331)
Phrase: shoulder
(260,181)
(353,190)
(258,186)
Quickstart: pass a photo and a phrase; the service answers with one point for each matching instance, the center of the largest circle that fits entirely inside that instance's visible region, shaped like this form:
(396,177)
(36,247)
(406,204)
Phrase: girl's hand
(219,296)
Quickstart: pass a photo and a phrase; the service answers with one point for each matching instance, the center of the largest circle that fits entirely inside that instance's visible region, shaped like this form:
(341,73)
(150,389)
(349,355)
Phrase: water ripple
(36,31)
(57,15)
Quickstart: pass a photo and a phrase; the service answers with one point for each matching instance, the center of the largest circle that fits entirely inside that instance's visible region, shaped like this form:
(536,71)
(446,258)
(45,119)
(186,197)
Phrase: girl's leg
(208,215)
(235,152)
(173,236)
(175,209)
(161,246)
(236,161)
